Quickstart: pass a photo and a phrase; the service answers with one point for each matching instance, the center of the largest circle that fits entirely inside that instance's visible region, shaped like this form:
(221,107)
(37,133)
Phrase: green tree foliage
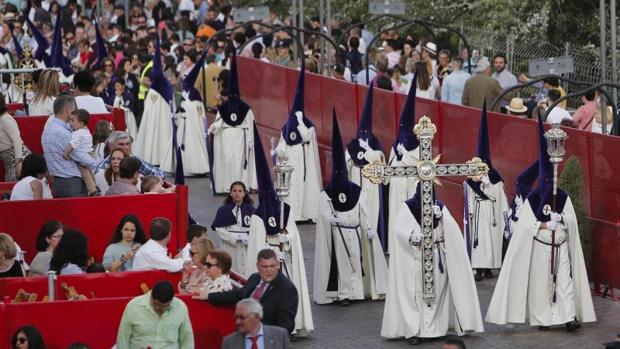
(572,181)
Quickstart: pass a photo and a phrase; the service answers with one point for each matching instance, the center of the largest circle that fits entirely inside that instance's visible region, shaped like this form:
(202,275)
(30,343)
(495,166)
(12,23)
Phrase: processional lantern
(555,137)
(282,173)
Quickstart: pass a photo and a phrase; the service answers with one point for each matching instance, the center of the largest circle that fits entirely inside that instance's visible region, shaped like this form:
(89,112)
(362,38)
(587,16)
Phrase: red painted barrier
(31,127)
(269,90)
(96,217)
(94,322)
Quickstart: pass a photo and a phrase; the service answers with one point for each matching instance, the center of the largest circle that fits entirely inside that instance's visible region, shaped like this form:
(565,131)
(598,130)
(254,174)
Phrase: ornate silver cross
(426,170)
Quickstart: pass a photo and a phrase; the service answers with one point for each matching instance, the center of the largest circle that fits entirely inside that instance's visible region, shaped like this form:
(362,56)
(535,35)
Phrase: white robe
(370,191)
(523,290)
(351,283)
(482,215)
(456,304)
(130,119)
(154,137)
(191,125)
(232,146)
(304,194)
(294,263)
(234,241)
(401,190)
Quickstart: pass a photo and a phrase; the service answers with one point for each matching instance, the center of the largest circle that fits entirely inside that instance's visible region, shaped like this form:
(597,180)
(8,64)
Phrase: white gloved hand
(272,153)
(244,241)
(280,255)
(401,149)
(300,117)
(363,144)
(518,201)
(415,238)
(486,180)
(212,129)
(371,233)
(334,220)
(552,225)
(437,211)
(283,238)
(556,217)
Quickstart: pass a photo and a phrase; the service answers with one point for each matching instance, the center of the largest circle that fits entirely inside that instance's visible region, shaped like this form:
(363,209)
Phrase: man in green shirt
(156,320)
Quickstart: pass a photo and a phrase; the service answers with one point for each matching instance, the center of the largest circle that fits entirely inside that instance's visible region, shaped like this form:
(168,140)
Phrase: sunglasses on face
(108,65)
(22,340)
(209,265)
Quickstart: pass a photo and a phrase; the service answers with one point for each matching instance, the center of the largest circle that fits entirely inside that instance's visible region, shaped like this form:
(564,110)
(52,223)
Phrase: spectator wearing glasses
(121,140)
(49,236)
(195,274)
(27,337)
(251,333)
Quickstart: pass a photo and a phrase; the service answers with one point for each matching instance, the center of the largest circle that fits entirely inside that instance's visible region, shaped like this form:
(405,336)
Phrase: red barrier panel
(31,128)
(96,285)
(13,107)
(95,216)
(94,322)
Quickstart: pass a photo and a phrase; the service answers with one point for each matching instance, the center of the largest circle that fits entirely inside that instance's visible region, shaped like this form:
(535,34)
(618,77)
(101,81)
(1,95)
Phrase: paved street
(359,325)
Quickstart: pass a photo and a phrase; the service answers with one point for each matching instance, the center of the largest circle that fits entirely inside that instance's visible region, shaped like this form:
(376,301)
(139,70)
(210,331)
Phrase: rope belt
(303,146)
(359,241)
(477,214)
(555,264)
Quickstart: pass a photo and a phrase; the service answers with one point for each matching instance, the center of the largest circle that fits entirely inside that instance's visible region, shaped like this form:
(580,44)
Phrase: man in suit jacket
(251,332)
(275,292)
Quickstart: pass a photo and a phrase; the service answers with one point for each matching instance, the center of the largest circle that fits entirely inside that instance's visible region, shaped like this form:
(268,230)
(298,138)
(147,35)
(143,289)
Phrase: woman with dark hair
(127,238)
(124,71)
(232,223)
(103,128)
(104,179)
(12,148)
(428,85)
(27,337)
(188,63)
(71,254)
(49,236)
(32,183)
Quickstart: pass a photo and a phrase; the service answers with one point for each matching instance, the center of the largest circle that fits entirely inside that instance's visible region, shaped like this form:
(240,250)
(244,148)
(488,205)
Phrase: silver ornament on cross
(426,170)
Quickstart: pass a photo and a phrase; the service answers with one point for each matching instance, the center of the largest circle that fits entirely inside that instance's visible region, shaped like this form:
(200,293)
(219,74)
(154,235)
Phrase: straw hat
(516,106)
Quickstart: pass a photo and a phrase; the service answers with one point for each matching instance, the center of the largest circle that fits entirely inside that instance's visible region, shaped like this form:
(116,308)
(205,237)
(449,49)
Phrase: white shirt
(153,256)
(557,114)
(23,191)
(82,140)
(91,104)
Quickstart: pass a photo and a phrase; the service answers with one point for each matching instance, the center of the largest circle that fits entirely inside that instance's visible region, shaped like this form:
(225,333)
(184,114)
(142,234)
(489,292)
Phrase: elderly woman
(12,148)
(195,274)
(218,267)
(10,266)
(127,238)
(32,183)
(49,236)
(71,254)
(46,90)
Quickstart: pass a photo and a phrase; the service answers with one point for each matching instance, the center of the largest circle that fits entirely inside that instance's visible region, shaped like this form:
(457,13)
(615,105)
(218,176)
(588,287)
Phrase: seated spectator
(276,293)
(103,129)
(250,330)
(12,148)
(49,236)
(153,255)
(121,140)
(195,274)
(218,265)
(557,114)
(10,266)
(27,337)
(105,178)
(129,173)
(194,232)
(84,82)
(154,185)
(71,254)
(127,238)
(32,183)
(156,317)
